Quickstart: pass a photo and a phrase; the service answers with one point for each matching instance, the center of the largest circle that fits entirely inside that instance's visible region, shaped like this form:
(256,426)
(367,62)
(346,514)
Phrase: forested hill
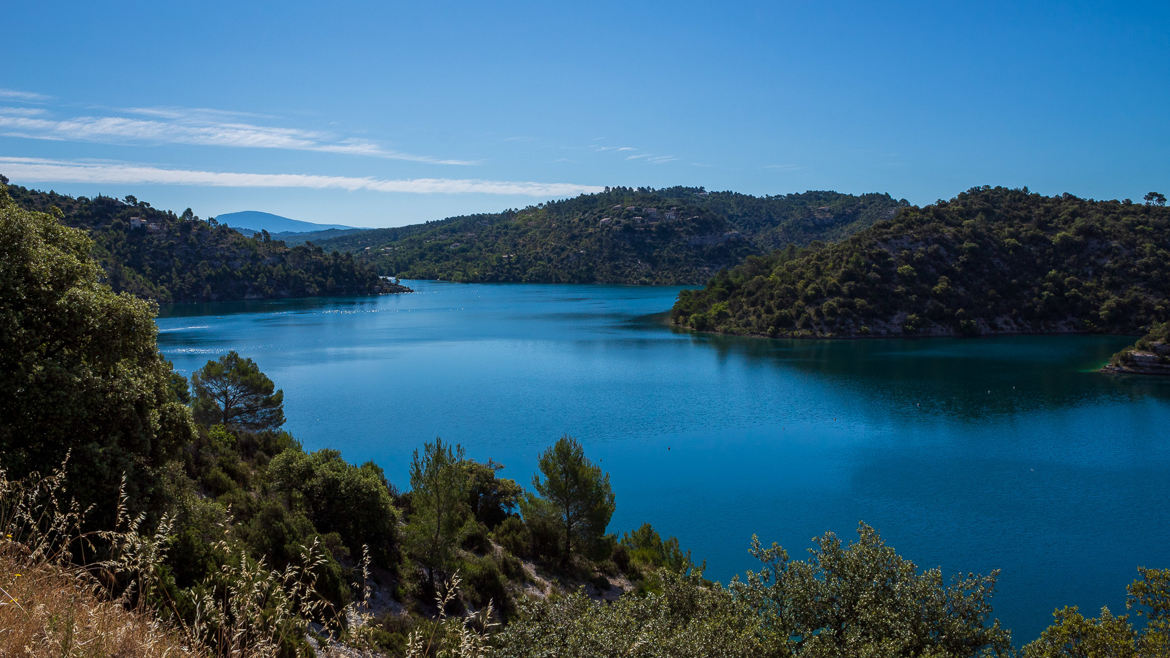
(158,255)
(991,260)
(675,235)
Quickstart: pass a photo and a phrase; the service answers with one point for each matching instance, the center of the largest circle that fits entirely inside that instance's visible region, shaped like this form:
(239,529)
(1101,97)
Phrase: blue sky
(381,114)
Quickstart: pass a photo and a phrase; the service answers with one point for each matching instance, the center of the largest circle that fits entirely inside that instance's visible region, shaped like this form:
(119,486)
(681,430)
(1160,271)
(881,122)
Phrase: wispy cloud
(29,170)
(21,111)
(172,112)
(634,153)
(17,95)
(653,159)
(783,167)
(198,127)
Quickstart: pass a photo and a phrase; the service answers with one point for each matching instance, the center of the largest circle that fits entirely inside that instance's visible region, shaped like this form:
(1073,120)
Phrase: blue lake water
(972,455)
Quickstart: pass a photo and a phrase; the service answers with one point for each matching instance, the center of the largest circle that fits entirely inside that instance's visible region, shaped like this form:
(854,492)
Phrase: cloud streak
(197,127)
(72,171)
(17,95)
(634,153)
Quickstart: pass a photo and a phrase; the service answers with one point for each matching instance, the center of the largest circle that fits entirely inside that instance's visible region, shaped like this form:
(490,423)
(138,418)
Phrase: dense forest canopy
(678,235)
(991,260)
(158,255)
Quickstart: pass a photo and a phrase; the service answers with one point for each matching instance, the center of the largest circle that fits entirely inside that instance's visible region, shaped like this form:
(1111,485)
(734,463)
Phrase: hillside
(296,237)
(676,235)
(158,255)
(255,221)
(989,261)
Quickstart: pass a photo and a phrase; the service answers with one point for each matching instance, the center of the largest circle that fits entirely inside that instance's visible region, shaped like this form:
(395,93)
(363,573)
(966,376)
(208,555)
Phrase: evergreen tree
(438,500)
(580,493)
(234,393)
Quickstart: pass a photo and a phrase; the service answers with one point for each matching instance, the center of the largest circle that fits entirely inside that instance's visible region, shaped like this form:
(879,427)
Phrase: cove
(1006,453)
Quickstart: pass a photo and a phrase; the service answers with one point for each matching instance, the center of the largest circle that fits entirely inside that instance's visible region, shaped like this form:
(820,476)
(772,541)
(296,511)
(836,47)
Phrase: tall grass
(71,592)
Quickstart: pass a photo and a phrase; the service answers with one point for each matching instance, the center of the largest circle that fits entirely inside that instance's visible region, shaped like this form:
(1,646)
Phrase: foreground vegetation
(678,235)
(991,260)
(158,255)
(143,514)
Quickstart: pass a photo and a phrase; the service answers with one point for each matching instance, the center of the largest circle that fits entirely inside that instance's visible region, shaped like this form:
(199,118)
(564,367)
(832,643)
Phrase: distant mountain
(678,235)
(989,261)
(254,221)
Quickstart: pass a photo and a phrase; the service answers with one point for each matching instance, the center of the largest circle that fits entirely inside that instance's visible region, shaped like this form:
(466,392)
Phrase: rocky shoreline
(1133,360)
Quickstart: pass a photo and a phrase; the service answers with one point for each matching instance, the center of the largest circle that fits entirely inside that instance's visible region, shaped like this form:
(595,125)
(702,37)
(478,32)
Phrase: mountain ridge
(258,220)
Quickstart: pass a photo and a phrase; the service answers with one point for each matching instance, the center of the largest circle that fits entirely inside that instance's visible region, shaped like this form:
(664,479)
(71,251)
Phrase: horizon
(382,116)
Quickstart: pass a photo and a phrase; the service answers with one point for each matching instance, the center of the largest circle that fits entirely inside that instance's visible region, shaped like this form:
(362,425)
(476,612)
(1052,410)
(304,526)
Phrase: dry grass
(50,610)
(51,603)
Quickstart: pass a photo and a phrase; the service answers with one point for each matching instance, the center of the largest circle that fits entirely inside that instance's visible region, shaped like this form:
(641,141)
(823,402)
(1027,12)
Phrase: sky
(386,113)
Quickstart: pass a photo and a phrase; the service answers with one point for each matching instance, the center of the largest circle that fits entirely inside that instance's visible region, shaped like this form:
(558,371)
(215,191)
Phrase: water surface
(1008,453)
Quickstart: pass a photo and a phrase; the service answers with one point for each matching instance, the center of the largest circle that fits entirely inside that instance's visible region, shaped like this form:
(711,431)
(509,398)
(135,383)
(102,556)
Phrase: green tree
(233,392)
(80,371)
(866,600)
(1155,198)
(491,499)
(1072,635)
(580,493)
(353,501)
(438,501)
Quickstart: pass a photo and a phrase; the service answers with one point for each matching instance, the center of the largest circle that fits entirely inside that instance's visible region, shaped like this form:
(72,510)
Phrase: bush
(513,535)
(483,583)
(475,537)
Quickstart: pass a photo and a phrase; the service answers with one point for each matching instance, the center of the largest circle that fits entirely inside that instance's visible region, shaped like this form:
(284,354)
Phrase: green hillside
(158,255)
(991,260)
(679,235)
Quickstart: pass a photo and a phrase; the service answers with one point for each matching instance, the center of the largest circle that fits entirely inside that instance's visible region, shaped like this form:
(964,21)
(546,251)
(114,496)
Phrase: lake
(972,455)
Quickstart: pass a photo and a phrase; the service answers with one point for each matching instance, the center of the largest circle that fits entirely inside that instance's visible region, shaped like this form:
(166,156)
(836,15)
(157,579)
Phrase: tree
(866,600)
(438,503)
(1072,635)
(491,499)
(1155,198)
(353,501)
(233,392)
(579,491)
(80,371)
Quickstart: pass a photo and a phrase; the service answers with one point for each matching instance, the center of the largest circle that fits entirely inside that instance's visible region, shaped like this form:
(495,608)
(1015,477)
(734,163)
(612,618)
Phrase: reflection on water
(1003,453)
(963,378)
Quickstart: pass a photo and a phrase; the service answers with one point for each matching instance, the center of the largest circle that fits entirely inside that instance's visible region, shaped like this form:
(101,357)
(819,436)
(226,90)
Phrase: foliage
(578,491)
(1073,635)
(679,235)
(158,255)
(439,509)
(689,618)
(991,260)
(452,637)
(1150,354)
(353,501)
(645,553)
(232,391)
(80,371)
(491,499)
(866,600)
